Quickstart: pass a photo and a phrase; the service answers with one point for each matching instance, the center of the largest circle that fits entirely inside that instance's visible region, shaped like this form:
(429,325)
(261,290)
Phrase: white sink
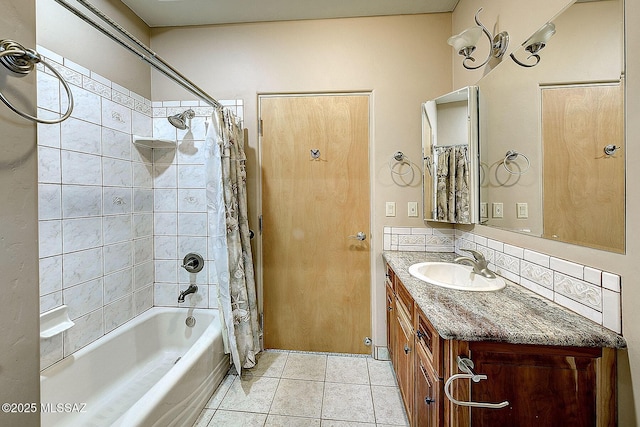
(454,276)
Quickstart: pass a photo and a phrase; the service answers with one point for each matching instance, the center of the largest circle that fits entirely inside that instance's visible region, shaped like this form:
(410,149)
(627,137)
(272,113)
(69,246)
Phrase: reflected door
(315,195)
(583,186)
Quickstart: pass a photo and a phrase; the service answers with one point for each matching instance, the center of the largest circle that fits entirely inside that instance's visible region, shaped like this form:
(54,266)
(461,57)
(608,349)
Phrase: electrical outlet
(412,209)
(390,209)
(522,210)
(484,210)
(498,210)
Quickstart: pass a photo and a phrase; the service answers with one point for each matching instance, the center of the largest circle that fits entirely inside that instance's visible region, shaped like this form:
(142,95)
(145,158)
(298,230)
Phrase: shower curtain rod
(148,56)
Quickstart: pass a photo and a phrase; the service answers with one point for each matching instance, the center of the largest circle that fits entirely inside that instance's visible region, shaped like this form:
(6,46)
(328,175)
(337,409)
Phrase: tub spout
(192,289)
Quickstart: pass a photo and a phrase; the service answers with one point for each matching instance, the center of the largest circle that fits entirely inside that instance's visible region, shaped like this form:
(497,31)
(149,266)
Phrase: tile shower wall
(95,206)
(590,292)
(180,206)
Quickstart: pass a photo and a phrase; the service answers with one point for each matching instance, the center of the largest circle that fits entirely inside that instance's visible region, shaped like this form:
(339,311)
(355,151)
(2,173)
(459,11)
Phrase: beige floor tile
(304,366)
(335,423)
(300,398)
(347,402)
(204,418)
(270,364)
(286,421)
(237,419)
(388,406)
(381,373)
(253,395)
(345,369)
(220,392)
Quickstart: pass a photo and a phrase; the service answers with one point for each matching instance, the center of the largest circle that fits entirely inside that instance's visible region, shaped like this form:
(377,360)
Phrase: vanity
(506,358)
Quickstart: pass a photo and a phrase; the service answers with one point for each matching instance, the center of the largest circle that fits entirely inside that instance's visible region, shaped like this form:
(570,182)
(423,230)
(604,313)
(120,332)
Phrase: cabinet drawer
(390,277)
(404,302)
(429,341)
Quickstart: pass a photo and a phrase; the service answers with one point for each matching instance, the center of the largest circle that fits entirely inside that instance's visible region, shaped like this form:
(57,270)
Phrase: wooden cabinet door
(404,360)
(545,386)
(390,318)
(428,403)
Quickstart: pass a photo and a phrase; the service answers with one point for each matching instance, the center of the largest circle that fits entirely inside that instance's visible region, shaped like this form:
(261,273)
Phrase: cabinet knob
(390,308)
(406,349)
(420,334)
(429,400)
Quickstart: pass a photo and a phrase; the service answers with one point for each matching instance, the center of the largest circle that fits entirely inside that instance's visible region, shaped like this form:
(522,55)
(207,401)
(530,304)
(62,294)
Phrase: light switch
(390,209)
(484,210)
(412,208)
(522,210)
(498,210)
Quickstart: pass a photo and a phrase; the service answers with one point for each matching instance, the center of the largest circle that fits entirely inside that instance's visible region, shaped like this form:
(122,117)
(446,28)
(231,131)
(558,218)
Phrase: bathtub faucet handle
(193,262)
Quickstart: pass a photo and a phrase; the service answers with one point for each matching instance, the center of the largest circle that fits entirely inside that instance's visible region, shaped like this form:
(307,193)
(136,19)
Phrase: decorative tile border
(418,239)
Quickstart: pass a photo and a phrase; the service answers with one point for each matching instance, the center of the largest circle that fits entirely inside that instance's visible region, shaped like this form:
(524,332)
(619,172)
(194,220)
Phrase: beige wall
(19,340)
(626,265)
(65,34)
(403,60)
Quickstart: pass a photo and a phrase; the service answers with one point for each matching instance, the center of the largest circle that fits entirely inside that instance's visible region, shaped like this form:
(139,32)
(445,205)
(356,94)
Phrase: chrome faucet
(478,262)
(192,289)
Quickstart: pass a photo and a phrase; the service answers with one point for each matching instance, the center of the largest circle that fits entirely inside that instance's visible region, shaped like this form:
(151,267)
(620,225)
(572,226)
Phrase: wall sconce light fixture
(465,43)
(536,43)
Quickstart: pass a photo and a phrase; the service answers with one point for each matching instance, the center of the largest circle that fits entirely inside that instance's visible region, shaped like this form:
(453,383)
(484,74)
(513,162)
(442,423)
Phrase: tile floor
(307,389)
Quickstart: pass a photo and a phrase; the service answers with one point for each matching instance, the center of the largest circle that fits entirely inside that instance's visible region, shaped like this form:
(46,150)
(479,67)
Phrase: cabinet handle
(429,400)
(406,349)
(390,308)
(420,334)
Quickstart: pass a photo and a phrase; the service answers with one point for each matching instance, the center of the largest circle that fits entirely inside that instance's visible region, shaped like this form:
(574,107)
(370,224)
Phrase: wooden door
(583,188)
(315,195)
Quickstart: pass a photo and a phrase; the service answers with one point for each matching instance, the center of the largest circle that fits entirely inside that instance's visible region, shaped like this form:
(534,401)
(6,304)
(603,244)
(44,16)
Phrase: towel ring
(510,157)
(399,157)
(20,60)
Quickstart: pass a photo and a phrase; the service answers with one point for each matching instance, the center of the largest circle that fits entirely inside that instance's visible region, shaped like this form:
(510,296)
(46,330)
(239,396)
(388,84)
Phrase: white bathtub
(132,376)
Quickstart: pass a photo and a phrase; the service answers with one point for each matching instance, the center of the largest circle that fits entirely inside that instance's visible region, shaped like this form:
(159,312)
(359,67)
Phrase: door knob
(360,236)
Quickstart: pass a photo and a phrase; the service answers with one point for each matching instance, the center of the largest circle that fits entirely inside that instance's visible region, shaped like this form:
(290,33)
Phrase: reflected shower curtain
(452,191)
(229,234)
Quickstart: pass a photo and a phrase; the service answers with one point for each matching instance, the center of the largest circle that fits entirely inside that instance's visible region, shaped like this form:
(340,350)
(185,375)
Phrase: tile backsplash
(590,292)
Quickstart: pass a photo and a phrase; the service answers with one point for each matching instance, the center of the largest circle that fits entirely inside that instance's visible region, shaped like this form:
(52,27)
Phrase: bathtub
(152,371)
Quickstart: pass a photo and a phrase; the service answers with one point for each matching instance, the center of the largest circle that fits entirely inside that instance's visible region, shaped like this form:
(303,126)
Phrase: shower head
(180,120)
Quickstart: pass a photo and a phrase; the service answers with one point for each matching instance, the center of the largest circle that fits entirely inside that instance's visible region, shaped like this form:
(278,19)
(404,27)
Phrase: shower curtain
(229,234)
(452,191)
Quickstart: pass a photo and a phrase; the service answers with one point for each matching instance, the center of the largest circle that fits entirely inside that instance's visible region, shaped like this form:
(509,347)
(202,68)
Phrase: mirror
(450,155)
(552,135)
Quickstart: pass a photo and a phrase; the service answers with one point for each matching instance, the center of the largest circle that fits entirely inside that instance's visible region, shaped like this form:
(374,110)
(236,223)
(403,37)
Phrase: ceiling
(171,13)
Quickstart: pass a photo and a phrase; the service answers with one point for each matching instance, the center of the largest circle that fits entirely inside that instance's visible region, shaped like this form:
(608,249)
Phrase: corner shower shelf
(150,142)
(54,322)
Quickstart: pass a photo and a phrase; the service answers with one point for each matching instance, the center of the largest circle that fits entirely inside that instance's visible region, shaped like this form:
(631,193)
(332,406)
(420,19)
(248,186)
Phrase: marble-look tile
(381,372)
(298,398)
(81,233)
(270,364)
(143,275)
(166,271)
(388,406)
(165,176)
(254,395)
(118,285)
(166,247)
(117,257)
(348,402)
(191,152)
(116,228)
(221,392)
(288,421)
(49,165)
(116,144)
(204,418)
(49,135)
(192,200)
(192,224)
(537,274)
(82,136)
(165,156)
(344,369)
(142,200)
(165,224)
(81,266)
(81,169)
(116,116)
(165,200)
(83,298)
(86,105)
(118,312)
(48,91)
(117,200)
(50,350)
(143,250)
(49,238)
(578,290)
(142,174)
(50,274)
(188,244)
(117,172)
(163,129)
(165,294)
(232,418)
(87,329)
(81,200)
(143,299)
(141,124)
(213,296)
(49,201)
(50,301)
(191,176)
(142,225)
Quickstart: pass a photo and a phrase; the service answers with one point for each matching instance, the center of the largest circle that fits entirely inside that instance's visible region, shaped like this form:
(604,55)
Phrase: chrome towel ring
(511,156)
(20,60)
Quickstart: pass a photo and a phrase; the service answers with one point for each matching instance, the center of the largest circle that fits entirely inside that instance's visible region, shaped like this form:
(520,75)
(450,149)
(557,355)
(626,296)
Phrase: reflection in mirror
(450,153)
(564,119)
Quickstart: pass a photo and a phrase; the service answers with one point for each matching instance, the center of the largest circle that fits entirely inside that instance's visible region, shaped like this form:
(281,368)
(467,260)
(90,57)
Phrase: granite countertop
(512,315)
